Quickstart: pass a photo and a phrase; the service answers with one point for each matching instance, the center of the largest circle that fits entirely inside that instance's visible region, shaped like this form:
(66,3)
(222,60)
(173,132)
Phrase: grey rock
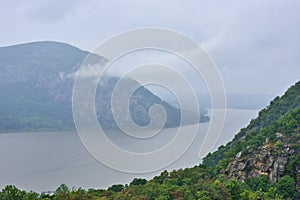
(262,161)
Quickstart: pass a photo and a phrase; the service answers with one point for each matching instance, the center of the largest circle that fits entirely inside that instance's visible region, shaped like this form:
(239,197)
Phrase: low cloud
(255,44)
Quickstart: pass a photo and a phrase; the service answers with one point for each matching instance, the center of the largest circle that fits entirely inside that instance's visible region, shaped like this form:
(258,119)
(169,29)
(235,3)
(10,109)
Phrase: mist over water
(42,161)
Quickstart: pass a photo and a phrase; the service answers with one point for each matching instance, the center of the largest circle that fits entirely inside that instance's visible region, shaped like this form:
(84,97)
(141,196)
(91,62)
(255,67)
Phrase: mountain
(36,83)
(268,147)
(261,162)
(140,103)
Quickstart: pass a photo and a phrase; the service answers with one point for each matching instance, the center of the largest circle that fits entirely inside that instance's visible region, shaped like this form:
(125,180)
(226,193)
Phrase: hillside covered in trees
(261,162)
(36,85)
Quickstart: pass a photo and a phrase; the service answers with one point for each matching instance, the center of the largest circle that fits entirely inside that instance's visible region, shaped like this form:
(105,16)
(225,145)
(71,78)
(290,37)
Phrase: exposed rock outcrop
(36,86)
(270,160)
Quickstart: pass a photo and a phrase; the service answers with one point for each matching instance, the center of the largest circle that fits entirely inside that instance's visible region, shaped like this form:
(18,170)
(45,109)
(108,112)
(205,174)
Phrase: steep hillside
(269,146)
(269,121)
(262,162)
(36,83)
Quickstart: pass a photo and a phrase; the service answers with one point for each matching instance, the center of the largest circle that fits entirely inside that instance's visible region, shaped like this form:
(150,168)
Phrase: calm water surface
(42,161)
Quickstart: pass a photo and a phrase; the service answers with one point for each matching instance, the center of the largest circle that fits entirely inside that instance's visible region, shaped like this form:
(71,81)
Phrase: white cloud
(247,39)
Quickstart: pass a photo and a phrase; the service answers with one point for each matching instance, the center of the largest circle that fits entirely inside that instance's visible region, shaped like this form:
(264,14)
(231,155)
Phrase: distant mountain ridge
(261,162)
(36,82)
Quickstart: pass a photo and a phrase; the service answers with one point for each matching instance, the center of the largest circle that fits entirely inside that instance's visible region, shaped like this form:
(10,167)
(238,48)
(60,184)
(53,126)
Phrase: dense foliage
(192,183)
(282,115)
(32,86)
(205,180)
(22,110)
(36,85)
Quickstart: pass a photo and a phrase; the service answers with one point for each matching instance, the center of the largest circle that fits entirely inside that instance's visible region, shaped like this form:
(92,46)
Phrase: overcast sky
(255,44)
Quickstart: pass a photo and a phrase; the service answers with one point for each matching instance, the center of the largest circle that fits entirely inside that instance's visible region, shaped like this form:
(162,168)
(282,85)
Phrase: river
(41,161)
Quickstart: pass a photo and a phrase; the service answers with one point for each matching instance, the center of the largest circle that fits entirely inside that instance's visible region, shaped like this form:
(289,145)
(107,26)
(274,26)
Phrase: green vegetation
(36,88)
(22,110)
(192,183)
(34,97)
(282,115)
(281,119)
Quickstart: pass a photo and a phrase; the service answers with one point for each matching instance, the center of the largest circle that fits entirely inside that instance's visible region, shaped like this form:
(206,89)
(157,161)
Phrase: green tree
(235,188)
(116,188)
(285,187)
(258,183)
(138,181)
(10,192)
(63,188)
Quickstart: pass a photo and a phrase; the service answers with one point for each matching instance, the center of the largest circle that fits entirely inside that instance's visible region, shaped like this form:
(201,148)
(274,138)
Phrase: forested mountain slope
(261,162)
(36,85)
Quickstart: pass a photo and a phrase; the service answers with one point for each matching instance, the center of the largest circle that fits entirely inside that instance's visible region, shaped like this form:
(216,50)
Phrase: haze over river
(41,161)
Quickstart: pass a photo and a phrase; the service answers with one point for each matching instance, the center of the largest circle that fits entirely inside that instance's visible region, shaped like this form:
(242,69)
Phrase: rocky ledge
(271,160)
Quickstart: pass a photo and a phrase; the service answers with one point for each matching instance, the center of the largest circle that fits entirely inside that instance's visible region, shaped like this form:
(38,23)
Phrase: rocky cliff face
(271,160)
(269,146)
(36,85)
(139,105)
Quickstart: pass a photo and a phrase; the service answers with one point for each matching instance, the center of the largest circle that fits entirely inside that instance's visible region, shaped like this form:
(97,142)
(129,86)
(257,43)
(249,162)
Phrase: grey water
(41,161)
